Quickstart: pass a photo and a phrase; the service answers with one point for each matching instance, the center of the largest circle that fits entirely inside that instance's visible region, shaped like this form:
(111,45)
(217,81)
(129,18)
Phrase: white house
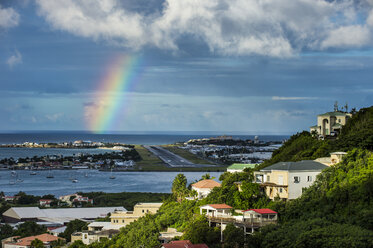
(204,187)
(287,180)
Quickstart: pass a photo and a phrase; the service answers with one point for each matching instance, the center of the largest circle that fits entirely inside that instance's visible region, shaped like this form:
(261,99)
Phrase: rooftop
(45,238)
(304,165)
(207,183)
(183,244)
(335,113)
(219,206)
(262,211)
(149,204)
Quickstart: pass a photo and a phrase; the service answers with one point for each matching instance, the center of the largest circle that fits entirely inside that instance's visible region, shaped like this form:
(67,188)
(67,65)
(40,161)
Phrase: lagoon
(92,180)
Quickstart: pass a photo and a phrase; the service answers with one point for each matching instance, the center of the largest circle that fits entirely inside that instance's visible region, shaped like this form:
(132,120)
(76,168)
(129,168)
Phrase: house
(330,123)
(55,231)
(183,244)
(204,187)
(335,158)
(169,235)
(240,167)
(287,180)
(88,237)
(216,210)
(58,216)
(45,203)
(15,242)
(261,215)
(139,210)
(75,198)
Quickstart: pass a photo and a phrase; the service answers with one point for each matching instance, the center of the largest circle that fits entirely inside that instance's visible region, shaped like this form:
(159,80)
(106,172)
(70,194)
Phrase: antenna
(336,106)
(346,107)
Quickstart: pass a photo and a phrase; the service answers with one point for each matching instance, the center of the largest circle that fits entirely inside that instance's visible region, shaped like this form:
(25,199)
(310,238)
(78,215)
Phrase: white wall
(295,189)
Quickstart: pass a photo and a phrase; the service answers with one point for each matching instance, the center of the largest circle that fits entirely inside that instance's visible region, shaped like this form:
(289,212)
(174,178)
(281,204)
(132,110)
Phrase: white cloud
(228,27)
(14,60)
(292,98)
(8,17)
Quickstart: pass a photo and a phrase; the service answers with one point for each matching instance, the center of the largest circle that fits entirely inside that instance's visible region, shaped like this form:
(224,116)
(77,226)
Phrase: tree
(30,228)
(207,176)
(179,188)
(73,226)
(233,237)
(37,243)
(199,232)
(78,244)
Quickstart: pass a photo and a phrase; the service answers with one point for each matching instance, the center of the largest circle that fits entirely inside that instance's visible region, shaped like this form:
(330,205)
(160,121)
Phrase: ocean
(127,138)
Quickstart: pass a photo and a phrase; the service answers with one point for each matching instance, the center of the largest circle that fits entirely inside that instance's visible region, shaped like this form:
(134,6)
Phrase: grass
(150,162)
(186,154)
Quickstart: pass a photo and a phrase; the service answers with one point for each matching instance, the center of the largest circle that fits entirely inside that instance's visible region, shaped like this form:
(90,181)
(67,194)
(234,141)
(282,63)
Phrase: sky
(249,66)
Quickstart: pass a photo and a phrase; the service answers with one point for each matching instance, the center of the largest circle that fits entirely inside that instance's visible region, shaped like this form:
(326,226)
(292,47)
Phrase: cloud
(292,98)
(8,17)
(228,27)
(15,59)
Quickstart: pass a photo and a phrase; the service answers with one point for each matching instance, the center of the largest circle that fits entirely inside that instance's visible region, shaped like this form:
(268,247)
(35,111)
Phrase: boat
(86,174)
(32,173)
(50,175)
(112,177)
(74,180)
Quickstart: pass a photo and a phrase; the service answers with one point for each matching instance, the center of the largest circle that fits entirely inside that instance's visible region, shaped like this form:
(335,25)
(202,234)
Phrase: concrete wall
(295,189)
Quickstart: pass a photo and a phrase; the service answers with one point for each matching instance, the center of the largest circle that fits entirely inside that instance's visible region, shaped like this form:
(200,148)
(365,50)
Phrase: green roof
(241,166)
(337,125)
(313,126)
(335,113)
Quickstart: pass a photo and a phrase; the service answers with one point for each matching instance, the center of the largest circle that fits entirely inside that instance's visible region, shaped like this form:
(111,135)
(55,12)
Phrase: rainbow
(112,95)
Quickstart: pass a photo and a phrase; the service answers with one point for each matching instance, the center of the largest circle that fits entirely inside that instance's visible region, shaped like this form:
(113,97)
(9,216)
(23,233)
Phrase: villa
(204,187)
(330,123)
(287,180)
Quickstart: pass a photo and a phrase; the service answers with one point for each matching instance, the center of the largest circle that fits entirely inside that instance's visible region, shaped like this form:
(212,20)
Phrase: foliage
(78,244)
(29,228)
(198,231)
(357,133)
(73,226)
(233,237)
(125,199)
(37,243)
(179,187)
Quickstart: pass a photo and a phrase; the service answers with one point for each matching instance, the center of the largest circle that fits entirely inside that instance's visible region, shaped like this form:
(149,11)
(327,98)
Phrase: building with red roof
(183,244)
(261,215)
(46,238)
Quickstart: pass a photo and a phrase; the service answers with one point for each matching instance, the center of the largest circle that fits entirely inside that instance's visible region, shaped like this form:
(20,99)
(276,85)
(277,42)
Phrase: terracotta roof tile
(219,206)
(207,183)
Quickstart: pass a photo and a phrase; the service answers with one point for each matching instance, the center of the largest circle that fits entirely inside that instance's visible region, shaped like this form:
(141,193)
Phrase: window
(122,221)
(143,211)
(268,178)
(309,179)
(296,179)
(280,190)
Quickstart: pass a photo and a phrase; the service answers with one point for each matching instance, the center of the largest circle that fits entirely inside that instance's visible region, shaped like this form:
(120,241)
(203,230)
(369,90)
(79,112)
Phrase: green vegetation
(186,154)
(337,209)
(25,229)
(73,226)
(357,133)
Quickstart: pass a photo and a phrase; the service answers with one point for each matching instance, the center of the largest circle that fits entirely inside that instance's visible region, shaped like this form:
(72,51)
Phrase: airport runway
(173,160)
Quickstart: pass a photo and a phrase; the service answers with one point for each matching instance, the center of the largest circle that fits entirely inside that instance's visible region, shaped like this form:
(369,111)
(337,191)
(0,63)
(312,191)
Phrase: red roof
(219,206)
(183,244)
(45,238)
(262,211)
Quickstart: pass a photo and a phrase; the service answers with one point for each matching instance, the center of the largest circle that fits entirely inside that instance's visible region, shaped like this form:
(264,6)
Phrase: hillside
(357,133)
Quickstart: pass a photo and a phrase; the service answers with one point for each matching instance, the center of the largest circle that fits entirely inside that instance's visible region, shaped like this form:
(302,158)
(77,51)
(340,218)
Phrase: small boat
(74,180)
(32,173)
(112,177)
(50,175)
(86,174)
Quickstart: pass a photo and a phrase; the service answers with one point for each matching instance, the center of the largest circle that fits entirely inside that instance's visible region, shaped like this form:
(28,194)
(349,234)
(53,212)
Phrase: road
(173,160)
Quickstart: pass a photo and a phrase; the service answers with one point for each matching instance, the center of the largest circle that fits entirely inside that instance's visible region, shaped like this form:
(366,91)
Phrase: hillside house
(287,180)
(204,187)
